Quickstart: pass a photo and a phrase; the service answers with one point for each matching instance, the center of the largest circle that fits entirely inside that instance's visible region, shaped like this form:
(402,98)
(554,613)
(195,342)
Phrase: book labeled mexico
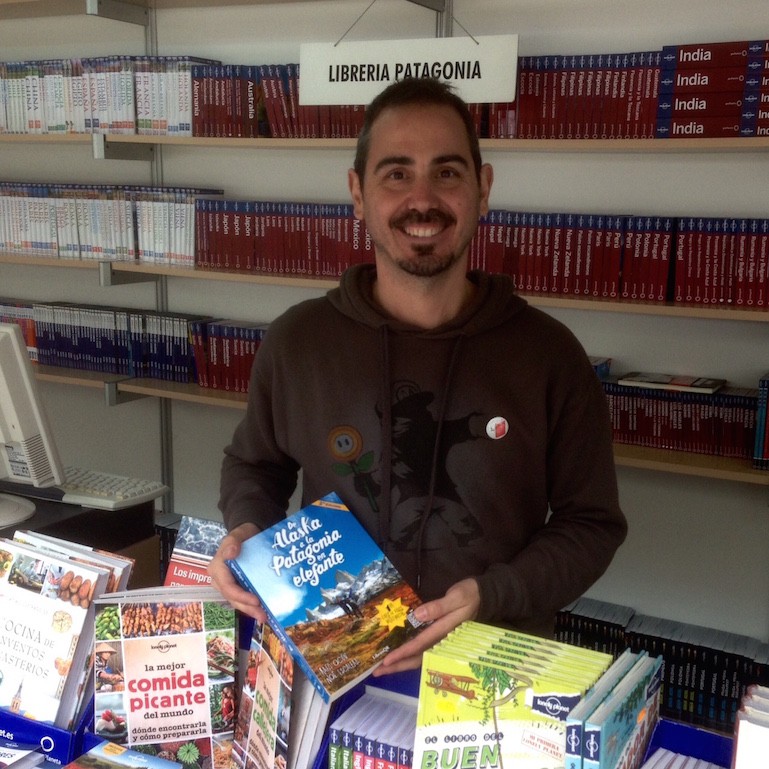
(330,592)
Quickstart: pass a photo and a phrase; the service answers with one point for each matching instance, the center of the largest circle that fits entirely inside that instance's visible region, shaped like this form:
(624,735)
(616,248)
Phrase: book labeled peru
(330,591)
(165,673)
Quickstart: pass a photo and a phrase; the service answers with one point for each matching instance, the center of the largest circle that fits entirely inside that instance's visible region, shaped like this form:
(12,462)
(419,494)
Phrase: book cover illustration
(196,544)
(509,711)
(170,655)
(45,635)
(262,729)
(110,755)
(330,592)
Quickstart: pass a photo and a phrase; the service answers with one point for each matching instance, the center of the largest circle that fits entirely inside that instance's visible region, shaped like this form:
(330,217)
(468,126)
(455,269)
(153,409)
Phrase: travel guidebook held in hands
(329,590)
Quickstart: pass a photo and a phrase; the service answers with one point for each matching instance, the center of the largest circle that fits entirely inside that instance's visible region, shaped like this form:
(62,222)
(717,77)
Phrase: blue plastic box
(59,745)
(692,741)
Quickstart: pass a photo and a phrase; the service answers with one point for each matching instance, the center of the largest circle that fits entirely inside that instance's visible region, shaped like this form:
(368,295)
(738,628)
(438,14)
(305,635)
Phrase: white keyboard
(90,488)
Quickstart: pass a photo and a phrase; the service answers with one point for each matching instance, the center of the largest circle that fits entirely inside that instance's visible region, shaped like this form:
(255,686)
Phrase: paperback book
(165,673)
(19,755)
(328,591)
(262,728)
(525,686)
(683,383)
(46,640)
(110,755)
(196,544)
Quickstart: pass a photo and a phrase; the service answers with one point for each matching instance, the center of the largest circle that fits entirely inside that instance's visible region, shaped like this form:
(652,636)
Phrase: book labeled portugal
(330,592)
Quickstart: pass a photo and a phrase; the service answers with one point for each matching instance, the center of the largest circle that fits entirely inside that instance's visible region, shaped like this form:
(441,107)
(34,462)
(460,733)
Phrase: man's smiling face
(421,197)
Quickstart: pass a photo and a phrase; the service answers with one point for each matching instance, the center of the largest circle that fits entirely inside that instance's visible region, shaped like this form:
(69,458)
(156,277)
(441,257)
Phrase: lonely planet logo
(556,706)
(163,646)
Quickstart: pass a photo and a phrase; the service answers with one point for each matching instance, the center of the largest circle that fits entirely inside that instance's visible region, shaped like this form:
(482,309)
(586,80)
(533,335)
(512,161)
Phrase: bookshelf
(676,462)
(545,146)
(686,176)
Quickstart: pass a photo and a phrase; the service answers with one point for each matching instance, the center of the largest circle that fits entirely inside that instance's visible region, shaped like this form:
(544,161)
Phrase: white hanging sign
(481,69)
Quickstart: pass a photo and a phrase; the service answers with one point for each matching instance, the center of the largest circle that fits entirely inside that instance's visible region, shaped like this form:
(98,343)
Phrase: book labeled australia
(330,592)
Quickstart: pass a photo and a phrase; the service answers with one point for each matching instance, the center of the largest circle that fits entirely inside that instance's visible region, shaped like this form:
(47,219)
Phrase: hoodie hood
(493,304)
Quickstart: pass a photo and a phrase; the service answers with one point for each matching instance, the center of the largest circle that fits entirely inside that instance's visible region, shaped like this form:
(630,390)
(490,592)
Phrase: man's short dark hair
(415,91)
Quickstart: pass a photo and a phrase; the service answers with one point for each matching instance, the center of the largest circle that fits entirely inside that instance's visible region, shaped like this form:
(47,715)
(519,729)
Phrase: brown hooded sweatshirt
(481,448)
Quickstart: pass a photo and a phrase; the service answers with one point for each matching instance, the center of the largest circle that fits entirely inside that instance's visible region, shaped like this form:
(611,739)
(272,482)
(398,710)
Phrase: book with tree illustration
(328,591)
(512,705)
(165,673)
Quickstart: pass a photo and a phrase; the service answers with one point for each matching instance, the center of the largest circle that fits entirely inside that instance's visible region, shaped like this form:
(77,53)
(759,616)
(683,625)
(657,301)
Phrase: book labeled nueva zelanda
(330,591)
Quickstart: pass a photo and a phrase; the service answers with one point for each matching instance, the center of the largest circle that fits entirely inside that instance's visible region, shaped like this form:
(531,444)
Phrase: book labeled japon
(330,592)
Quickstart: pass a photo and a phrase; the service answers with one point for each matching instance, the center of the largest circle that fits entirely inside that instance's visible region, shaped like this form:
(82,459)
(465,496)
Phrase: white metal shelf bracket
(118,11)
(107,150)
(108,276)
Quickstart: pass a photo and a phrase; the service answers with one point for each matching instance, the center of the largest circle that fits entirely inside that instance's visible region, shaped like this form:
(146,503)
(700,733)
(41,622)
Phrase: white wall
(696,549)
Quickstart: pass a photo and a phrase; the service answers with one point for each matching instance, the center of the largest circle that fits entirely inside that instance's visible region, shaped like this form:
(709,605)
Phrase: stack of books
(751,729)
(48,587)
(662,758)
(706,671)
(528,687)
(711,89)
(376,730)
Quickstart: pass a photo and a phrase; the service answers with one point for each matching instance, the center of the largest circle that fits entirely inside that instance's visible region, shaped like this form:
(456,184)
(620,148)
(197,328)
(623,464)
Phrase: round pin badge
(497,427)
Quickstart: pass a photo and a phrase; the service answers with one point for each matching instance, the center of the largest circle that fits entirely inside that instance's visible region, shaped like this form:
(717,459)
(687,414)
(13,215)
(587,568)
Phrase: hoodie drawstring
(387,448)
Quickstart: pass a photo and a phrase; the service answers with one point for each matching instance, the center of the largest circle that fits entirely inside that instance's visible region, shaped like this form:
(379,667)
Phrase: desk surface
(107,529)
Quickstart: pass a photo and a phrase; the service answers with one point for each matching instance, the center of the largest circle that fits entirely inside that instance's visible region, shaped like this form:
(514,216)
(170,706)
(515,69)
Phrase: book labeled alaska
(330,592)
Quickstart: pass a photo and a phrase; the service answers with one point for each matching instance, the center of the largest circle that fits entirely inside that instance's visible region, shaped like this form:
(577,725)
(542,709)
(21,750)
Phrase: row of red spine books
(722,423)
(227,101)
(224,352)
(269,237)
(722,260)
(588,96)
(704,260)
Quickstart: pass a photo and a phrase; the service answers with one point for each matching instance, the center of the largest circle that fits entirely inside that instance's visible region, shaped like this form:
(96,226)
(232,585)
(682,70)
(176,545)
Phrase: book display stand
(59,745)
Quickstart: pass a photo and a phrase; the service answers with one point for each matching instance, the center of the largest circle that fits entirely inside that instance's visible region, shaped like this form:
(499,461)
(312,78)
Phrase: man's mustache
(433,215)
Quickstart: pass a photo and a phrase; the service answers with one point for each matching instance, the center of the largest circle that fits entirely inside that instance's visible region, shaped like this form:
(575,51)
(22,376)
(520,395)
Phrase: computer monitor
(27,451)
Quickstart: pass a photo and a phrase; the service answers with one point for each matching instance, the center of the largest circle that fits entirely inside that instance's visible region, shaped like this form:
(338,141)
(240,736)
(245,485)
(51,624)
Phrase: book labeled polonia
(164,673)
(482,715)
